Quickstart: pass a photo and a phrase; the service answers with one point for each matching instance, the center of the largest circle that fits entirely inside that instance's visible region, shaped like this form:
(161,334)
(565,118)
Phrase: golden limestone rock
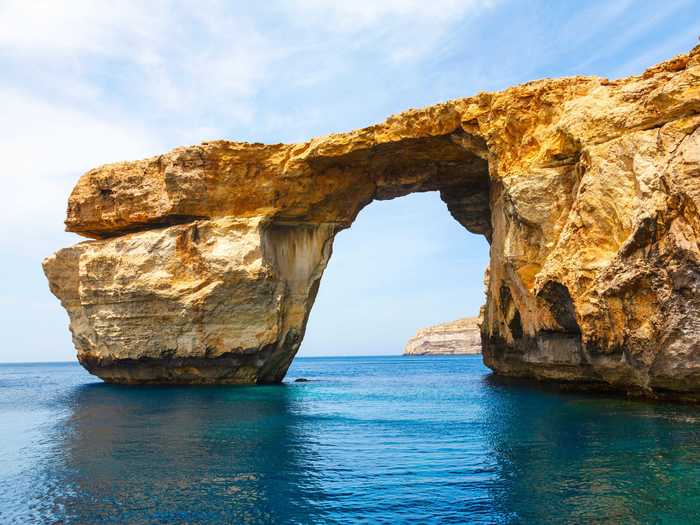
(206,259)
(462,336)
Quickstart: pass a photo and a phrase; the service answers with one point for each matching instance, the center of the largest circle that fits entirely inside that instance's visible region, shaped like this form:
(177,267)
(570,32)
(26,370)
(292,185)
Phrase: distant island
(462,336)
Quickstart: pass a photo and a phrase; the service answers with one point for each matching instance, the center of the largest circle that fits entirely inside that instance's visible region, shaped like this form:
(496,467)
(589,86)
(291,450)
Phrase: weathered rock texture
(462,336)
(208,258)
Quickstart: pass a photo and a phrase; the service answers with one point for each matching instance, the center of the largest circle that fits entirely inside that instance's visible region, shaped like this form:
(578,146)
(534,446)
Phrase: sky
(86,82)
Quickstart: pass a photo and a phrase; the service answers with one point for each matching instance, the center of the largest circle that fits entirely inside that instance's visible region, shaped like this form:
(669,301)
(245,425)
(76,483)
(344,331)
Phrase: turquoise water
(375,440)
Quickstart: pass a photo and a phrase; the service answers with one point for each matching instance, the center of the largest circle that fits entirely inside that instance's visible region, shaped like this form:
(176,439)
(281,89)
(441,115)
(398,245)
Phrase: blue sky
(86,82)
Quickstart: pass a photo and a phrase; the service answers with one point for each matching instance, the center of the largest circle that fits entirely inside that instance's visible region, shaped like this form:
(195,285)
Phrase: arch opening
(405,264)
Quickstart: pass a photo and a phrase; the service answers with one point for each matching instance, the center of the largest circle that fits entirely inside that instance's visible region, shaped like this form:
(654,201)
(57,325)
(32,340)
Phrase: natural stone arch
(207,259)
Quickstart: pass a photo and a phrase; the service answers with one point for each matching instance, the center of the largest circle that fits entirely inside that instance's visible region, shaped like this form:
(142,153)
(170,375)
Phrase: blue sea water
(368,440)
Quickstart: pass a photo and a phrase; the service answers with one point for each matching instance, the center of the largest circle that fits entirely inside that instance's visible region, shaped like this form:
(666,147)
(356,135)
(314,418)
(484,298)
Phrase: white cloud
(208,61)
(179,57)
(680,42)
(359,15)
(632,32)
(45,148)
(78,26)
(401,30)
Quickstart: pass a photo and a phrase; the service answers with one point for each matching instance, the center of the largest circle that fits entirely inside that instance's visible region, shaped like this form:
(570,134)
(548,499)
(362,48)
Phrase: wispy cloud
(668,47)
(193,58)
(172,57)
(77,27)
(45,148)
(405,29)
(631,32)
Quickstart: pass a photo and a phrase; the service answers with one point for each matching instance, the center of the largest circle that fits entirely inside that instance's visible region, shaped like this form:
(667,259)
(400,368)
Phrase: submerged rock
(206,259)
(462,336)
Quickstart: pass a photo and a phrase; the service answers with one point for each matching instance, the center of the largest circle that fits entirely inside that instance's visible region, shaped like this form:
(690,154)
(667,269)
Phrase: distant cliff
(457,337)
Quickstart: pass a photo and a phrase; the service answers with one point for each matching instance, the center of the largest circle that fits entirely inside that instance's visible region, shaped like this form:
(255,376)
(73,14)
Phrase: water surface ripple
(375,439)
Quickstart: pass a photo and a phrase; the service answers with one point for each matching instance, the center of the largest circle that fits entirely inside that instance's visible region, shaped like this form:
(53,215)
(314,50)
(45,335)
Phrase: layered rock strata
(206,259)
(462,336)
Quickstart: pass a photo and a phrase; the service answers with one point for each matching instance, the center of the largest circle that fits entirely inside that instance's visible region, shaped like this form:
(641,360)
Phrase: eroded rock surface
(206,259)
(213,301)
(462,336)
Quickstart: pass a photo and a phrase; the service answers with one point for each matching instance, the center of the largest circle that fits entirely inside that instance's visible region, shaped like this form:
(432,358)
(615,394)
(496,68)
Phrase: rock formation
(462,336)
(206,259)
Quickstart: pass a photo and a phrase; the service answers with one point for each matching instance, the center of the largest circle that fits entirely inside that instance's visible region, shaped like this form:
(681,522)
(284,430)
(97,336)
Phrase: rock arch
(206,260)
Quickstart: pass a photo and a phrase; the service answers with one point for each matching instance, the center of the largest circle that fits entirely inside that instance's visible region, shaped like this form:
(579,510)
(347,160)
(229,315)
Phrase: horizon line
(297,357)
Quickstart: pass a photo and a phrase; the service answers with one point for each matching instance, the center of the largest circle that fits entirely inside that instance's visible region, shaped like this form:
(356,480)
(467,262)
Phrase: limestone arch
(206,259)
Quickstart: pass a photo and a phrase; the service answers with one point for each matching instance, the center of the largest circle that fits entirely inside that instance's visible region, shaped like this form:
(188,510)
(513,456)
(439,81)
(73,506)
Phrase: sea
(365,440)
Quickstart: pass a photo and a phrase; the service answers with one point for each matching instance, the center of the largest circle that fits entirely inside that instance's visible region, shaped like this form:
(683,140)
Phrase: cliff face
(216,301)
(206,259)
(462,336)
